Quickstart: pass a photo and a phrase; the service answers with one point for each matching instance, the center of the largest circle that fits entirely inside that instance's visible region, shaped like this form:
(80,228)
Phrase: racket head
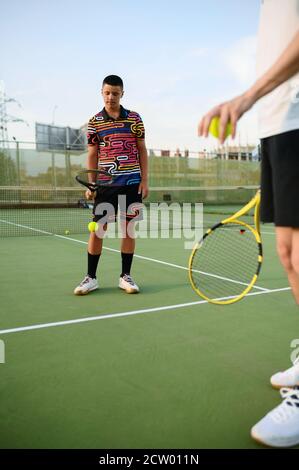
(253,204)
(94,179)
(225,263)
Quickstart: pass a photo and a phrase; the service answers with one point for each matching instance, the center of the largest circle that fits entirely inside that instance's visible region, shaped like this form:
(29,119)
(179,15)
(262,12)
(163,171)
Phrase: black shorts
(280,179)
(109,198)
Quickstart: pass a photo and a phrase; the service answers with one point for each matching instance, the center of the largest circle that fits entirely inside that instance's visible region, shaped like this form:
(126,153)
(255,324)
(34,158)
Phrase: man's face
(112,95)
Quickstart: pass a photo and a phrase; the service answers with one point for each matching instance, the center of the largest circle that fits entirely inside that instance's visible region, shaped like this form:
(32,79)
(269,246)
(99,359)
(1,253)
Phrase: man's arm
(143,159)
(284,68)
(91,164)
(92,157)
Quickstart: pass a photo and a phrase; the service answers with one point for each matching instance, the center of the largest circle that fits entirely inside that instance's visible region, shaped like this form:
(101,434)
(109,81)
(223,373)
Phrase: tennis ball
(214,128)
(67,232)
(93,226)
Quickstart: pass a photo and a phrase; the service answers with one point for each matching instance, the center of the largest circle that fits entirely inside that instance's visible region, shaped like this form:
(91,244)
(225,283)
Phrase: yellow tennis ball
(67,232)
(93,226)
(214,128)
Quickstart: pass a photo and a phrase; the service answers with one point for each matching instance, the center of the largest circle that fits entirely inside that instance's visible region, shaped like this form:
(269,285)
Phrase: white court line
(135,255)
(268,233)
(51,233)
(124,314)
(226,279)
(26,226)
(169,264)
(105,248)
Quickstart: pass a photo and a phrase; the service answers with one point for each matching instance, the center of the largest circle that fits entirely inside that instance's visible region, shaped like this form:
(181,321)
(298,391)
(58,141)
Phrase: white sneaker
(87,285)
(280,427)
(126,283)
(288,378)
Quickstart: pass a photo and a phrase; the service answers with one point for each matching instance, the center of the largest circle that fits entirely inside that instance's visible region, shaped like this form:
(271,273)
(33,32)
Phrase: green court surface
(139,371)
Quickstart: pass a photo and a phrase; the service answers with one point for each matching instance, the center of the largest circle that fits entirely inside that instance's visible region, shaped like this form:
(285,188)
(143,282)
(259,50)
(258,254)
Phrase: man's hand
(230,111)
(89,195)
(143,189)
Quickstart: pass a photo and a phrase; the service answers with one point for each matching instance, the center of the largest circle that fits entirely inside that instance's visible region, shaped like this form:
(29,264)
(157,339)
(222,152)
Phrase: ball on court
(93,226)
(214,128)
(67,232)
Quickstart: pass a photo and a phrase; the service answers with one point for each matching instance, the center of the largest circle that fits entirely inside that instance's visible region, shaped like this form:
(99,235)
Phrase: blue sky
(177,59)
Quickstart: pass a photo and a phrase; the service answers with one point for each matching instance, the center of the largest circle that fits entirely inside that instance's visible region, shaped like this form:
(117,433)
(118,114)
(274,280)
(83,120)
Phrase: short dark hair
(113,80)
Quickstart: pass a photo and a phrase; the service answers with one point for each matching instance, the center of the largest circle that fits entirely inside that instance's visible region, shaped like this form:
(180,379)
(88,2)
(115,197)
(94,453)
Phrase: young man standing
(116,144)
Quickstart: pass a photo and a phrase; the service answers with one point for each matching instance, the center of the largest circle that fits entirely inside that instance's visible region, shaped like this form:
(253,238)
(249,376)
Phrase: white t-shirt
(279,110)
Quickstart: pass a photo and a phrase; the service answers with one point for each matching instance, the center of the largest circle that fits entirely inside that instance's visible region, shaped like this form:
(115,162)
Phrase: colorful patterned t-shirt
(117,145)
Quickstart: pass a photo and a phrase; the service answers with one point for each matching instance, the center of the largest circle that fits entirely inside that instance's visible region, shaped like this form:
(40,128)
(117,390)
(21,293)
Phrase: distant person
(116,141)
(278,67)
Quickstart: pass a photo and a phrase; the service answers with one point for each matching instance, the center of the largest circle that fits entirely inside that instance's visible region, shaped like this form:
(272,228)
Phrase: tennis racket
(94,179)
(225,263)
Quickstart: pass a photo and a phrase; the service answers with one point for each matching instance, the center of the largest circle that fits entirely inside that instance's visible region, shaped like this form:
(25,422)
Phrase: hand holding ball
(214,128)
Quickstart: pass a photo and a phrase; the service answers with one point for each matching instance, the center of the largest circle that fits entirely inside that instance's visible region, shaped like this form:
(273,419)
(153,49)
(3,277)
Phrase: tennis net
(26,211)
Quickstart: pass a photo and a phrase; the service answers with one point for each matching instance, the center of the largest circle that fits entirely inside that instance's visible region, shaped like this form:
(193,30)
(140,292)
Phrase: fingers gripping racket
(225,263)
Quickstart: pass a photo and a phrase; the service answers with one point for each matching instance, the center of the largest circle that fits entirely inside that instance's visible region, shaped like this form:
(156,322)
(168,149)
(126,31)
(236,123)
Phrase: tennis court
(162,369)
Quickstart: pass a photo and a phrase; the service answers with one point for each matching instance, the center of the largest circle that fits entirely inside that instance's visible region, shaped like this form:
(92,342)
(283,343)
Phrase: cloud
(199,52)
(240,60)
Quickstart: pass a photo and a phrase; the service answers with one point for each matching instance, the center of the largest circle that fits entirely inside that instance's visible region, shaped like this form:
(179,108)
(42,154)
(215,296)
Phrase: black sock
(92,265)
(126,261)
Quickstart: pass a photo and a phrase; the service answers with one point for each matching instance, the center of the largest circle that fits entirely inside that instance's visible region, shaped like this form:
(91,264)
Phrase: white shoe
(87,285)
(288,378)
(280,427)
(126,283)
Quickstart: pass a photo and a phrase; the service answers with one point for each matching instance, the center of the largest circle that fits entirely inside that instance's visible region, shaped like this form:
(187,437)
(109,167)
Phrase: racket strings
(225,262)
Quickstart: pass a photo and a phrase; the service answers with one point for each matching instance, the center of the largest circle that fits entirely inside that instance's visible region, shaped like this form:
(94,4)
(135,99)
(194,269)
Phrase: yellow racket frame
(253,203)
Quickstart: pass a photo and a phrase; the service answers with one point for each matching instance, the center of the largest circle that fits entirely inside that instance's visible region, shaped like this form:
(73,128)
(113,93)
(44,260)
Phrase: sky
(177,60)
